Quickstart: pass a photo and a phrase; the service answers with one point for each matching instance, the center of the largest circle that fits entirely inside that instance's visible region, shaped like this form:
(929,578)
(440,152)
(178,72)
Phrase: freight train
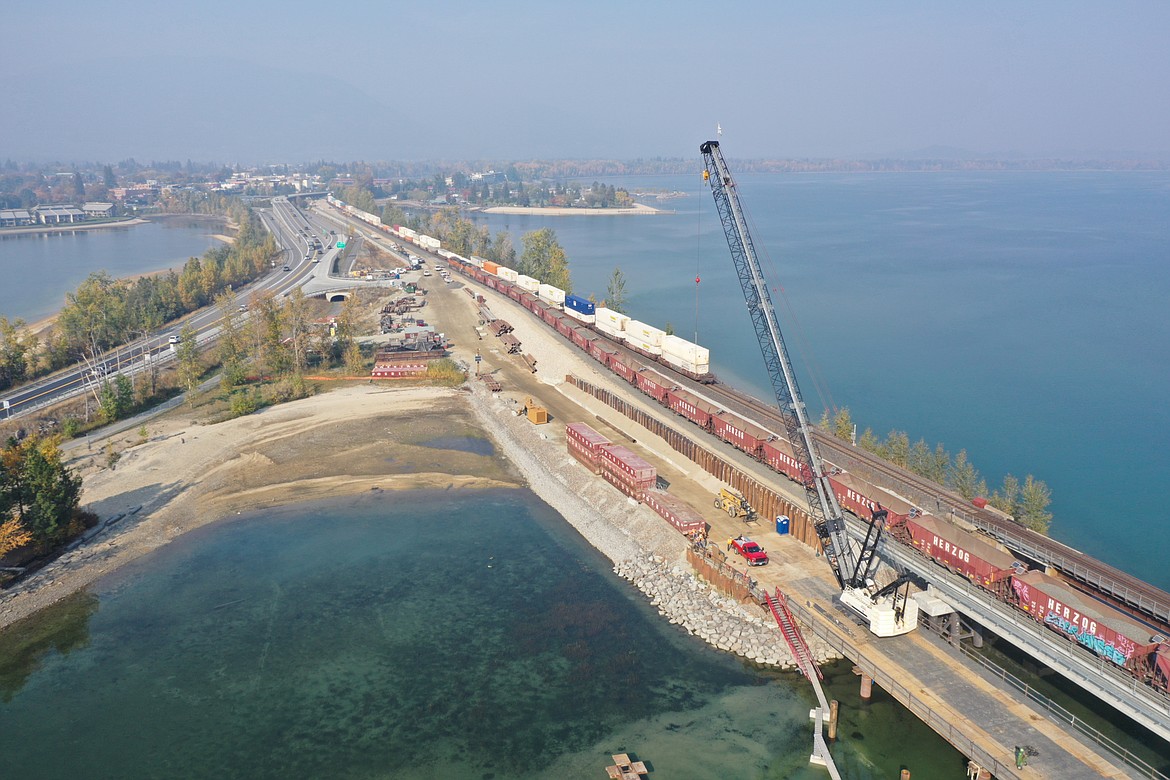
(1130,643)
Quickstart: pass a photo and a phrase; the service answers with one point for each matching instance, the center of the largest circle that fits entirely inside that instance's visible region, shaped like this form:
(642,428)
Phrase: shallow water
(428,634)
(476,445)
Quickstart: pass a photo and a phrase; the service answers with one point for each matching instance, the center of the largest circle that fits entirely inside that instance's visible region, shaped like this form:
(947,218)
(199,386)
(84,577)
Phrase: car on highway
(751,552)
(173,339)
(287,268)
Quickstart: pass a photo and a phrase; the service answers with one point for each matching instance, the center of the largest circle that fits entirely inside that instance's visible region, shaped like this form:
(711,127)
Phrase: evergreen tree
(869,441)
(963,476)
(1007,498)
(615,291)
(1033,507)
(843,424)
(920,458)
(897,448)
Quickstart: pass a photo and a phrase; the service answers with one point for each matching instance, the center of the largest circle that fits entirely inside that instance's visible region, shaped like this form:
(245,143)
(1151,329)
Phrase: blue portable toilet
(782,524)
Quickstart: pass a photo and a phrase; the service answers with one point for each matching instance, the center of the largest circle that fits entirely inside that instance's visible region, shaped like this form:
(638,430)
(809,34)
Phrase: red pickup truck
(752,552)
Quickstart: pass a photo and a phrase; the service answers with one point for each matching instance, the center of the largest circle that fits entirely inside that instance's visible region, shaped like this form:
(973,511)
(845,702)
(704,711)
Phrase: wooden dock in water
(625,769)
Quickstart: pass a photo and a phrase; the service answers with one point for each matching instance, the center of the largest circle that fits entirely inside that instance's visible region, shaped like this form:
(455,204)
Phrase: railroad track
(1097,577)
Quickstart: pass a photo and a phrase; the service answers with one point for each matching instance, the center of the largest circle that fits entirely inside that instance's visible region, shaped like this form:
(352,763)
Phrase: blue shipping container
(580,305)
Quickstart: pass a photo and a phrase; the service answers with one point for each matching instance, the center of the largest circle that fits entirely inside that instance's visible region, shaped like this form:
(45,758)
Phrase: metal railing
(1054,711)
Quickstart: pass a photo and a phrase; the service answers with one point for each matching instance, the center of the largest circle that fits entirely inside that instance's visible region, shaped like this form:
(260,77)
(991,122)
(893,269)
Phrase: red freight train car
(600,351)
(1107,632)
(653,384)
(622,368)
(777,453)
(691,407)
(514,292)
(565,327)
(853,493)
(739,433)
(581,338)
(981,562)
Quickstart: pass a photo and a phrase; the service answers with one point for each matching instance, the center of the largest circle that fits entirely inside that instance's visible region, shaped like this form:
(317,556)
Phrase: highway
(292,268)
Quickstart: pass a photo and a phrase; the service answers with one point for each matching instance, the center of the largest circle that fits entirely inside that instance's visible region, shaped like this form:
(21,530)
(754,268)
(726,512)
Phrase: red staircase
(804,661)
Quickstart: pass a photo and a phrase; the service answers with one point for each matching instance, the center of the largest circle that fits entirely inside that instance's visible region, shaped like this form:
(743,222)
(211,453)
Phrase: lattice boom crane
(852,568)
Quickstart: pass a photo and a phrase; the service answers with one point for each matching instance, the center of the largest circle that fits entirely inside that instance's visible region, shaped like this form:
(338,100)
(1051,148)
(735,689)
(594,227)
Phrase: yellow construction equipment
(734,504)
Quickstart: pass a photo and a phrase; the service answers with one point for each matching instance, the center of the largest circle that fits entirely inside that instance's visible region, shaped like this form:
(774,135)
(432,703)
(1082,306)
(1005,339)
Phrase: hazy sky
(261,81)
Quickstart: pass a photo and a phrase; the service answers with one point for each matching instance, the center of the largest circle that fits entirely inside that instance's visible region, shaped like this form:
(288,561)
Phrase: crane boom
(826,514)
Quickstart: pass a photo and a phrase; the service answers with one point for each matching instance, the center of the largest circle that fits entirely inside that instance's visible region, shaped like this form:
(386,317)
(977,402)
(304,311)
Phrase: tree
(1033,508)
(869,441)
(78,187)
(963,476)
(920,458)
(16,346)
(897,448)
(544,259)
(187,353)
(108,178)
(1007,498)
(615,291)
(843,424)
(295,317)
(116,398)
(232,349)
(41,491)
(502,250)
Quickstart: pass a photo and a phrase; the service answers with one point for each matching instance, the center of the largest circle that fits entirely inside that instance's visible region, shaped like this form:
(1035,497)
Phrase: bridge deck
(980,720)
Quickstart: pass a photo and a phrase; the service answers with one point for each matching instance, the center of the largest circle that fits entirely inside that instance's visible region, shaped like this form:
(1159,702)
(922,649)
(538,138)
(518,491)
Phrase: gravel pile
(717,619)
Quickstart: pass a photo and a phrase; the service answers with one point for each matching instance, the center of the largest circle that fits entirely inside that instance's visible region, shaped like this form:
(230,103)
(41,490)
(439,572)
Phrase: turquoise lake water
(39,268)
(429,635)
(1019,316)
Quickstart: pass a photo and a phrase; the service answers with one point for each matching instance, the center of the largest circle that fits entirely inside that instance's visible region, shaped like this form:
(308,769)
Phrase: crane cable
(803,347)
(698,249)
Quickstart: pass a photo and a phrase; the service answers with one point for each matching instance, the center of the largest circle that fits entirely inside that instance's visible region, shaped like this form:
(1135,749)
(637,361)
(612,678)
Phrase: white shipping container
(685,365)
(527,283)
(635,341)
(407,233)
(551,294)
(578,315)
(507,274)
(476,260)
(615,321)
(608,329)
(685,350)
(647,333)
